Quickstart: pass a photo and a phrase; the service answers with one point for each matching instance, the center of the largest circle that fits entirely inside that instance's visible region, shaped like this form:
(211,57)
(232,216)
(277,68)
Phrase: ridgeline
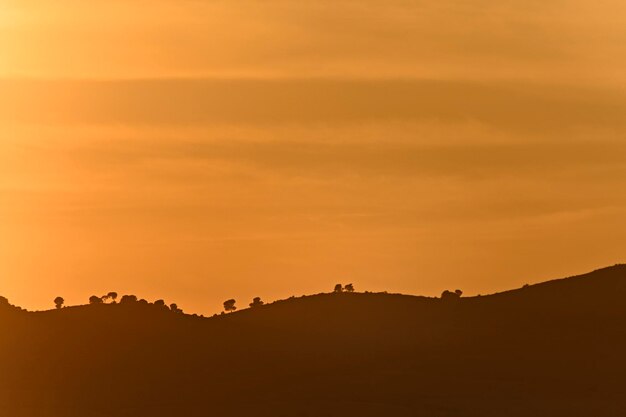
(550,349)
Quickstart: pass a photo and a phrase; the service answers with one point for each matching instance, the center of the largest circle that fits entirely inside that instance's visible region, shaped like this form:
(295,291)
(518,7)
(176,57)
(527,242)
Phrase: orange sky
(201,150)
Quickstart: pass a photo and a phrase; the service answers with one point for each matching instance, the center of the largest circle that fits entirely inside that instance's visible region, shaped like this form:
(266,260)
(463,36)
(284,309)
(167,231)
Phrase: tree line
(230,305)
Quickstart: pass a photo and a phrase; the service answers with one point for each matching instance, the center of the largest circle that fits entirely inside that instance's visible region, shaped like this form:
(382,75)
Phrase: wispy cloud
(383,158)
(506,105)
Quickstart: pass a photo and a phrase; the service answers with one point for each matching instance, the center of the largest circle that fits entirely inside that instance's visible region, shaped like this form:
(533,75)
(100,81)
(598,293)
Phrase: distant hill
(552,349)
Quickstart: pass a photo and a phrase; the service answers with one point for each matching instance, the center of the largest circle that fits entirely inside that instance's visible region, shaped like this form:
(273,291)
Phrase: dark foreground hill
(552,349)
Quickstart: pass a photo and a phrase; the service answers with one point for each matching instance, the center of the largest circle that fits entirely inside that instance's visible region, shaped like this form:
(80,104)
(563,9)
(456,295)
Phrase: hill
(551,349)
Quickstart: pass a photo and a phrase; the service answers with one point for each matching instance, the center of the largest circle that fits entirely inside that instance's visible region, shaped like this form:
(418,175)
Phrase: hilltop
(550,349)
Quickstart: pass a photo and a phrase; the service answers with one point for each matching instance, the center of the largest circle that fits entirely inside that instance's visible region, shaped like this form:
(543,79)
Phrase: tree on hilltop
(256,302)
(94,299)
(128,299)
(110,296)
(58,303)
(229,305)
(449,295)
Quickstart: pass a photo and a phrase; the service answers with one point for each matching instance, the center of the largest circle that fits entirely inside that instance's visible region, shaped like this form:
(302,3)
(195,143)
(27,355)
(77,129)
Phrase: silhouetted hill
(551,349)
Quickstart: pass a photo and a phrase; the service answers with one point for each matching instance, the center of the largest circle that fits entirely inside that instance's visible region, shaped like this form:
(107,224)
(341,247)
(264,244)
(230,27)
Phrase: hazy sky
(200,150)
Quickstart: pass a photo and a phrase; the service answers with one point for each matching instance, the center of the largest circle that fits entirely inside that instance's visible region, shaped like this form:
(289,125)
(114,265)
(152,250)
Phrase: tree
(128,299)
(338,288)
(256,302)
(58,302)
(160,303)
(4,301)
(449,295)
(175,309)
(112,296)
(229,305)
(94,299)
(349,288)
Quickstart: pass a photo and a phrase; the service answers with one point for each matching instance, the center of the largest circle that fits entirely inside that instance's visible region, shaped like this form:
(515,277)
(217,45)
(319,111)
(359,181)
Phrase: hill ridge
(561,283)
(549,350)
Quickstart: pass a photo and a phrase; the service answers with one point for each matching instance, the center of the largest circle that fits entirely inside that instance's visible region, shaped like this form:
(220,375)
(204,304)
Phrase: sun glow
(189,148)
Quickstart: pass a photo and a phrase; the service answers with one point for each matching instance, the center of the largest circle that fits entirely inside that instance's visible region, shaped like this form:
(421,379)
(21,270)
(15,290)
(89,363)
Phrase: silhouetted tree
(175,309)
(338,288)
(94,299)
(110,296)
(4,301)
(229,305)
(449,295)
(160,303)
(127,299)
(58,302)
(256,302)
(349,288)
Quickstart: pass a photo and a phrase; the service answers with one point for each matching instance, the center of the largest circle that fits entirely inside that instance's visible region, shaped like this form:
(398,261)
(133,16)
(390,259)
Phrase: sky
(201,150)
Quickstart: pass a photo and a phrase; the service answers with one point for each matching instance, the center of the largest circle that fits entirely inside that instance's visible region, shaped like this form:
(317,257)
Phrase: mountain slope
(551,349)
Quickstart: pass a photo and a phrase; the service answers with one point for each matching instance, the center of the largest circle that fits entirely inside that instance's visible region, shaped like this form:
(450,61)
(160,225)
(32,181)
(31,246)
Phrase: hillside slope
(551,349)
